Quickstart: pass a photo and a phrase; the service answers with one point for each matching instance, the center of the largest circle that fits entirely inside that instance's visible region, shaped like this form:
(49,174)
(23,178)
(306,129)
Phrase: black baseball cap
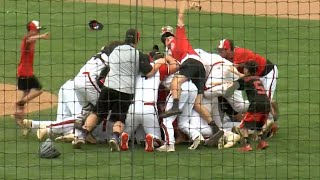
(132,36)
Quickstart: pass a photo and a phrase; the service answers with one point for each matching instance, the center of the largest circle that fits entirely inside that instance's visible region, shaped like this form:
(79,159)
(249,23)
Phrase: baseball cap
(225,44)
(166,29)
(33,25)
(95,25)
(132,36)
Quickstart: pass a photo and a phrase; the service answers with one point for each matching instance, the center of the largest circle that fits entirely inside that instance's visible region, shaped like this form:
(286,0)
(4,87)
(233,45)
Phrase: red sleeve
(181,32)
(164,71)
(241,56)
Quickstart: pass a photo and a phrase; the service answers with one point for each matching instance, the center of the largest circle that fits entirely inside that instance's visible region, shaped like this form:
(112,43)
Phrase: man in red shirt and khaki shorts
(27,82)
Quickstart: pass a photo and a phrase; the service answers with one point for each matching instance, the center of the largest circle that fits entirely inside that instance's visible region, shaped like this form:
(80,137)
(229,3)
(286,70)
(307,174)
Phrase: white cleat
(232,140)
(42,133)
(66,138)
(77,143)
(113,143)
(26,127)
(197,141)
(166,148)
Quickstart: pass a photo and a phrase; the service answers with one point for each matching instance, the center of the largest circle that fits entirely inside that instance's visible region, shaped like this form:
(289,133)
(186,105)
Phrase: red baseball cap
(33,25)
(225,44)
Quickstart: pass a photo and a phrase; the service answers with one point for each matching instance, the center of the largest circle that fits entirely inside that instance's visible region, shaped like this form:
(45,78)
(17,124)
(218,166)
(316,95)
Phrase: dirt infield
(9,95)
(300,9)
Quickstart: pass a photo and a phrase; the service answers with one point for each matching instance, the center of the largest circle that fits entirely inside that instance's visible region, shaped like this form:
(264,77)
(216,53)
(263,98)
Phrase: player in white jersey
(222,71)
(144,110)
(86,87)
(68,106)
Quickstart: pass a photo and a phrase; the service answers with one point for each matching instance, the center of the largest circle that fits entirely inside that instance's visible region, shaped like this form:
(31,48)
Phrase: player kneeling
(259,107)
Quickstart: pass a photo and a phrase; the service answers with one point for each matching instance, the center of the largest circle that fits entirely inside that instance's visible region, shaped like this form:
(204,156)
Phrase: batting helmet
(47,150)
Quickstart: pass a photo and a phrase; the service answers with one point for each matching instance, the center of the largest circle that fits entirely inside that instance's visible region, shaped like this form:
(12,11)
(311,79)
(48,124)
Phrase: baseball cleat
(197,141)
(26,126)
(245,148)
(124,139)
(90,138)
(170,112)
(149,143)
(236,130)
(232,140)
(113,143)
(66,138)
(77,143)
(42,133)
(166,148)
(262,145)
(214,139)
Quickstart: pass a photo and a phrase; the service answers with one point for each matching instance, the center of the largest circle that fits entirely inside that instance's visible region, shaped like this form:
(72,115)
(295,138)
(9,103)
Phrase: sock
(214,127)
(246,141)
(116,135)
(175,103)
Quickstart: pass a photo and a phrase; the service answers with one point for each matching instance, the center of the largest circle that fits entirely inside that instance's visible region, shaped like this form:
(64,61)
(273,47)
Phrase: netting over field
(159,89)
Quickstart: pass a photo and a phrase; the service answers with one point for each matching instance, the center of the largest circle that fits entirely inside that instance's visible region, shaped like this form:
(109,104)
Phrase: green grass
(292,44)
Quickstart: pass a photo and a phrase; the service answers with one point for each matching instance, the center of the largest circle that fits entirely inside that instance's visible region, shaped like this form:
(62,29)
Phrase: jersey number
(259,87)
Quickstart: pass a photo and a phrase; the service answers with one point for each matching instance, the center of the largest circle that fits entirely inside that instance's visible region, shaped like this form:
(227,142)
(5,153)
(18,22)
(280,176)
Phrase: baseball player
(125,62)
(86,86)
(27,82)
(191,68)
(68,109)
(259,107)
(222,71)
(144,110)
(267,71)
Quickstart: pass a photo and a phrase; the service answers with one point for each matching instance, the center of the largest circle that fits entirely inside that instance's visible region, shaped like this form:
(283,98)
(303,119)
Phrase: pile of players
(122,95)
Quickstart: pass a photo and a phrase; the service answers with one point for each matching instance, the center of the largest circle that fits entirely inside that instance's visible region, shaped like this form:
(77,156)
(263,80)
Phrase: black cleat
(170,112)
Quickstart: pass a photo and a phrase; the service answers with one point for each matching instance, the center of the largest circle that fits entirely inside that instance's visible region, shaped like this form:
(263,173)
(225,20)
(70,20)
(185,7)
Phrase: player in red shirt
(191,68)
(267,71)
(259,107)
(27,82)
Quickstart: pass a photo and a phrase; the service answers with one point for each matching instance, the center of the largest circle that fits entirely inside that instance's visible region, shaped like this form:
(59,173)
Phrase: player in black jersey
(259,107)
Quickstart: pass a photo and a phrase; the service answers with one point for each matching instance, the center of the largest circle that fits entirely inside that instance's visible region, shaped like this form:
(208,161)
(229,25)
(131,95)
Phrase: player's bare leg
(175,92)
(90,123)
(117,131)
(245,140)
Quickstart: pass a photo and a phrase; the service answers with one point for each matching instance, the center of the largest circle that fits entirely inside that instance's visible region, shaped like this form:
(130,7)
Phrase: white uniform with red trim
(86,87)
(144,110)
(187,98)
(220,73)
(68,103)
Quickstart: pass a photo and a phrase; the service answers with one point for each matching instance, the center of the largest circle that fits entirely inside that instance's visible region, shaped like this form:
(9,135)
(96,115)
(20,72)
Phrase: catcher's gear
(48,150)
(95,25)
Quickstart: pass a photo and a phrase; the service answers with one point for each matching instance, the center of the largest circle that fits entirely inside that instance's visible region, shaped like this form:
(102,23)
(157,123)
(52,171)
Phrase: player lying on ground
(180,49)
(27,82)
(259,107)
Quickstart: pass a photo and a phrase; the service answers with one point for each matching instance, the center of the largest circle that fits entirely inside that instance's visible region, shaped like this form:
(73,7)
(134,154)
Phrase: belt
(149,103)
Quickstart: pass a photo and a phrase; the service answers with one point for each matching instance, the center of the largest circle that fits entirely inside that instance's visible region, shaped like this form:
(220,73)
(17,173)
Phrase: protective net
(159,89)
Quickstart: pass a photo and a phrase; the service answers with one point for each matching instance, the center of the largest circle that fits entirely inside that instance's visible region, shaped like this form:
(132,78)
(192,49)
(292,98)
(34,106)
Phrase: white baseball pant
(269,82)
(86,87)
(145,114)
(187,98)
(68,103)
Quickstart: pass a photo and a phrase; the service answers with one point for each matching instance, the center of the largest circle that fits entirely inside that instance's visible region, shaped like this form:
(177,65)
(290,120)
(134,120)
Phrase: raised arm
(182,8)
